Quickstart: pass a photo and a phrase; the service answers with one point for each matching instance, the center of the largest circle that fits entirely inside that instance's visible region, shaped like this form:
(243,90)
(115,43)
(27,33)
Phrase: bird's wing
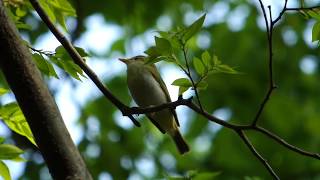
(156,75)
(156,124)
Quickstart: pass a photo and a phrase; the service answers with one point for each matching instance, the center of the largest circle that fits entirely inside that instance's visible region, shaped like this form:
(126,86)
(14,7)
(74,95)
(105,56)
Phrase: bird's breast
(144,89)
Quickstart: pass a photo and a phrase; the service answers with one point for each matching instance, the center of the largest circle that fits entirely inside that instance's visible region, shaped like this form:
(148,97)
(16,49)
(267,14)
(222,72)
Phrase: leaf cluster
(168,46)
(12,116)
(45,60)
(57,10)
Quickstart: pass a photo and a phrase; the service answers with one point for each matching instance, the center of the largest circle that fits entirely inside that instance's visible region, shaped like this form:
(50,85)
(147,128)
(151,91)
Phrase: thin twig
(264,15)
(256,153)
(302,8)
(281,13)
(190,77)
(286,144)
(270,64)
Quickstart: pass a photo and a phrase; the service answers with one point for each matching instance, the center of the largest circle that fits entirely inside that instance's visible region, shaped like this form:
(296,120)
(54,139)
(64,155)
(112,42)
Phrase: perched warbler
(148,89)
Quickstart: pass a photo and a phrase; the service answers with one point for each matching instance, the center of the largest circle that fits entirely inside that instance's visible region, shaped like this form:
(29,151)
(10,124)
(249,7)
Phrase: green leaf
(118,45)
(3,91)
(21,25)
(1,140)
(20,12)
(82,52)
(4,171)
(63,6)
(152,60)
(8,151)
(13,117)
(163,46)
(215,61)
(48,10)
(206,58)
(193,28)
(152,52)
(182,90)
(314,14)
(171,37)
(44,66)
(202,85)
(226,69)
(64,61)
(60,19)
(182,82)
(60,51)
(198,66)
(316,31)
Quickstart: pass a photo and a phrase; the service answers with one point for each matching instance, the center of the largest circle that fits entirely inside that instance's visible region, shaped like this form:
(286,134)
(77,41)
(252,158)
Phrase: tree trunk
(61,155)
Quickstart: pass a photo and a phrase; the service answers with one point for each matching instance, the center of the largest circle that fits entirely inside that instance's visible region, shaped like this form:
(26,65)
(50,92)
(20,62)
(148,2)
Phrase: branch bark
(55,144)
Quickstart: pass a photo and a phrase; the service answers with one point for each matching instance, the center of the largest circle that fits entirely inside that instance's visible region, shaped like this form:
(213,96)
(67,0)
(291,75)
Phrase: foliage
(61,59)
(13,117)
(292,111)
(166,47)
(8,152)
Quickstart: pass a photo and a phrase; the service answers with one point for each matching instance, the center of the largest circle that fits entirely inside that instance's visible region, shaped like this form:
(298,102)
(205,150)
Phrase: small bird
(148,89)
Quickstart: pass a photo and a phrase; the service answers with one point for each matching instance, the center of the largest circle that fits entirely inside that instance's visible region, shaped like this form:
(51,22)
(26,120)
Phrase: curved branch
(286,144)
(256,153)
(78,59)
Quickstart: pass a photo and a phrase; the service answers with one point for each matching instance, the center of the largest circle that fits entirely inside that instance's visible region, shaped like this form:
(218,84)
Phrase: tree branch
(256,153)
(79,61)
(190,77)
(286,144)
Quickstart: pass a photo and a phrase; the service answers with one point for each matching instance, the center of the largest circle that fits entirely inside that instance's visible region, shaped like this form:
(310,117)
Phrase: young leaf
(44,66)
(60,19)
(13,117)
(198,66)
(316,31)
(48,10)
(152,52)
(206,58)
(215,61)
(226,69)
(152,60)
(8,151)
(63,60)
(182,82)
(82,52)
(163,46)
(202,85)
(193,28)
(4,171)
(314,14)
(182,90)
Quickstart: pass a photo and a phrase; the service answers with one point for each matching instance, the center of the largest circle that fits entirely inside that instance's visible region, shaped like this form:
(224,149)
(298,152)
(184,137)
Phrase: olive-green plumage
(148,89)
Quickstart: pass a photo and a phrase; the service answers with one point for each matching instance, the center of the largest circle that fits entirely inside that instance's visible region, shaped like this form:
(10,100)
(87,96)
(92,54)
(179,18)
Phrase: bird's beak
(124,60)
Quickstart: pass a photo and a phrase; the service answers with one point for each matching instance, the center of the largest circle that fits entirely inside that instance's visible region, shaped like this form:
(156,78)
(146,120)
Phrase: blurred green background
(233,30)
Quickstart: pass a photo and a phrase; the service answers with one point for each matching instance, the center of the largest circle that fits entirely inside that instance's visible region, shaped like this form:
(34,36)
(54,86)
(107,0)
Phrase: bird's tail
(180,142)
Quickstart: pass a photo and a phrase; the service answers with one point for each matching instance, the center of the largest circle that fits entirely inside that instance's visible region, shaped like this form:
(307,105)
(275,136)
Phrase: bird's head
(127,61)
